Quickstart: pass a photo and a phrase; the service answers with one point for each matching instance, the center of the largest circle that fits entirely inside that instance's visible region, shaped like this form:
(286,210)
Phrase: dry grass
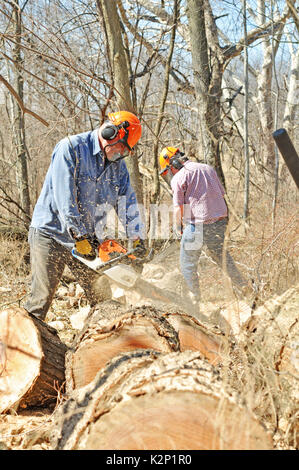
(263,251)
(14,270)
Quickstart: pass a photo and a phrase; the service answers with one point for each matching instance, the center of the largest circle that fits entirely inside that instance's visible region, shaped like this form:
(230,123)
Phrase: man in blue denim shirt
(87,176)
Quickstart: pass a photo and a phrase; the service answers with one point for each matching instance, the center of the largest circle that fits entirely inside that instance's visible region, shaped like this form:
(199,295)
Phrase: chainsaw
(109,254)
(109,261)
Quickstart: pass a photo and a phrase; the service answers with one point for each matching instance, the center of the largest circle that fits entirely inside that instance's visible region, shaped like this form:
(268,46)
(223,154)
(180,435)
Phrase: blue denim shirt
(79,190)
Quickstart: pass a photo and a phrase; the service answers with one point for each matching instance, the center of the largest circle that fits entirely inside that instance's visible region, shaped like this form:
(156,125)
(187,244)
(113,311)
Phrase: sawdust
(25,430)
(29,429)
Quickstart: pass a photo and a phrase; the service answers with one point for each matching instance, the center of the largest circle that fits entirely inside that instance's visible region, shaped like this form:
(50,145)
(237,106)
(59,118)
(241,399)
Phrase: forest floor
(18,429)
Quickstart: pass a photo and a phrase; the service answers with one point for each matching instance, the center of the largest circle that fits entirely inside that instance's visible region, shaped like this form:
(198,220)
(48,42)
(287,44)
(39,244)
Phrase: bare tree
(156,186)
(18,123)
(75,76)
(207,83)
(119,68)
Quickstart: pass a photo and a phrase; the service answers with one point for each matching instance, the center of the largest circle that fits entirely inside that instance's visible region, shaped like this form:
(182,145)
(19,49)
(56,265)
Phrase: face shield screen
(118,154)
(122,143)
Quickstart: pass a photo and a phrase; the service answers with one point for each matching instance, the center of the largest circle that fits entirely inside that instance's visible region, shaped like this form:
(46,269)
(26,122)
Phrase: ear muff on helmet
(131,126)
(170,157)
(176,163)
(110,131)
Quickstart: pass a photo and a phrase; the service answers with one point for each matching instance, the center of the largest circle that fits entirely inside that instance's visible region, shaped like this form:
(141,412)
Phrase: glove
(138,245)
(84,247)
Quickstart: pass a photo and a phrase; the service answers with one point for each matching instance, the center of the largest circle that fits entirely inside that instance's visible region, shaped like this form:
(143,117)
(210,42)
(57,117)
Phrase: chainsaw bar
(97,264)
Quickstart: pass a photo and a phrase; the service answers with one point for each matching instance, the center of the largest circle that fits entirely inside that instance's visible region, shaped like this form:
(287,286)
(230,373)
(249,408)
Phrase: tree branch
(184,86)
(294,13)
(20,102)
(234,50)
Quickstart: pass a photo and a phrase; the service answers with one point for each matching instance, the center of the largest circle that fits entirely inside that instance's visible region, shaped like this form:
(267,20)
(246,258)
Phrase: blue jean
(212,235)
(48,259)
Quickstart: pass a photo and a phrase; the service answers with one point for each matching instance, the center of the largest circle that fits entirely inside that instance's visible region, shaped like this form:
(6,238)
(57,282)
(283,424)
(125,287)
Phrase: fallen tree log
(32,361)
(194,335)
(271,339)
(111,329)
(145,400)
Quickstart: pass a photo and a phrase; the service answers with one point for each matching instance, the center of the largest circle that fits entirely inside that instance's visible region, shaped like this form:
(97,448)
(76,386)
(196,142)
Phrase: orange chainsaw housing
(109,248)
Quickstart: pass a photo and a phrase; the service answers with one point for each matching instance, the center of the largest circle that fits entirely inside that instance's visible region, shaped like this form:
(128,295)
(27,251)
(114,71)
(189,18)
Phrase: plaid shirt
(198,188)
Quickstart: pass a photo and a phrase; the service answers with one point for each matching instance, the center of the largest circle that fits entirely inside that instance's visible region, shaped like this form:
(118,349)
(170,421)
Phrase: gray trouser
(48,259)
(211,235)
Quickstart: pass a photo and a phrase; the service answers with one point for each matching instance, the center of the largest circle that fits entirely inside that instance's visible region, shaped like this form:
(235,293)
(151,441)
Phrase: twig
(20,102)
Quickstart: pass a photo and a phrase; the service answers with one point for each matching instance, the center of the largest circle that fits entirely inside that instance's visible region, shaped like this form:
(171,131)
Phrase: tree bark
(272,352)
(110,330)
(31,361)
(207,68)
(289,117)
(145,400)
(18,119)
(264,101)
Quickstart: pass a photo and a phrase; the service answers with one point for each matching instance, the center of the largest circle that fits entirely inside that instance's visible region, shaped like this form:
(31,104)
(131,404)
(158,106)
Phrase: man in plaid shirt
(198,199)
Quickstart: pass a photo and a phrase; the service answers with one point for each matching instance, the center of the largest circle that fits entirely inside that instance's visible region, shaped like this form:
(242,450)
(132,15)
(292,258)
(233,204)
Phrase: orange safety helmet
(166,156)
(134,129)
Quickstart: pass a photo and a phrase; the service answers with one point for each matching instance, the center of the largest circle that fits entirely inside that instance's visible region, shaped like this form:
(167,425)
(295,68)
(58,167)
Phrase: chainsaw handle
(100,267)
(118,258)
(146,258)
(143,260)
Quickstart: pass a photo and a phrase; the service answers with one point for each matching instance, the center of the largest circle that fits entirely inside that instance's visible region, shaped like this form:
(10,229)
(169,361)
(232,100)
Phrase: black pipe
(288,153)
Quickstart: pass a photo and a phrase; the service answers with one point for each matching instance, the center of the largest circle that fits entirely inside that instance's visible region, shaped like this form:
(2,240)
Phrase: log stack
(32,361)
(143,378)
(272,345)
(148,400)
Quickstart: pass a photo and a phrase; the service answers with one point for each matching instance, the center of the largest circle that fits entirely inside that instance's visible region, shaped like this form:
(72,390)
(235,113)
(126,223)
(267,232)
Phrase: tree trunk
(156,183)
(264,101)
(145,400)
(110,330)
(289,118)
(207,67)
(18,120)
(119,68)
(264,97)
(31,361)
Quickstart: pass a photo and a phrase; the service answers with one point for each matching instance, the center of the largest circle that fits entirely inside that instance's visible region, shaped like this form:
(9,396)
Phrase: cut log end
(31,361)
(195,336)
(165,401)
(177,420)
